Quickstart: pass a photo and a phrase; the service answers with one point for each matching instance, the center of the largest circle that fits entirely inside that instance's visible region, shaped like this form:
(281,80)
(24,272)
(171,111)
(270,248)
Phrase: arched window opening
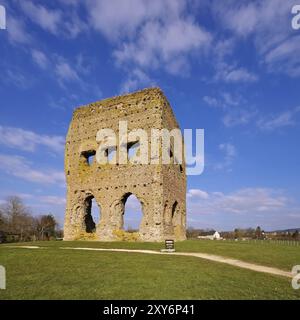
(175,213)
(92,214)
(133,214)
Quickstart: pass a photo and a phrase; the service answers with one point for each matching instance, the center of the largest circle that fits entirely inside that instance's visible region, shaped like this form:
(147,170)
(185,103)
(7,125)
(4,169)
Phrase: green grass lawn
(280,256)
(52,273)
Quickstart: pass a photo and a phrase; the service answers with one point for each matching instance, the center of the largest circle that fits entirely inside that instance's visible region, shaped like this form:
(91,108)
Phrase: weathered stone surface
(161,188)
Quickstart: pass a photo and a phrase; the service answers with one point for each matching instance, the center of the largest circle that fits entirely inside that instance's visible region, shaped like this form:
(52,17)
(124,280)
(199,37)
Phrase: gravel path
(211,257)
(206,256)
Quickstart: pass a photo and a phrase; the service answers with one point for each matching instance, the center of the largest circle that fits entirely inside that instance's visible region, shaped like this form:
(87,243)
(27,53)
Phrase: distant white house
(213,236)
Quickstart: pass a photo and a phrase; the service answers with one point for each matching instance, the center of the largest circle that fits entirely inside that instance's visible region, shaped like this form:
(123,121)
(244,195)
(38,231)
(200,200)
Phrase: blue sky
(229,67)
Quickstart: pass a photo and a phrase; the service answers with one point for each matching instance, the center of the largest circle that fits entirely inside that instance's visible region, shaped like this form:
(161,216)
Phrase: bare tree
(46,226)
(18,218)
(17,222)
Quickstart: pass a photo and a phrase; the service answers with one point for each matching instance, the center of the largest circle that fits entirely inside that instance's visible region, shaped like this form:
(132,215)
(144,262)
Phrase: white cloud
(240,75)
(117,19)
(65,72)
(28,140)
(54,200)
(244,201)
(232,74)
(164,45)
(17,78)
(137,79)
(224,47)
(36,198)
(149,34)
(229,151)
(236,109)
(74,72)
(61,23)
(40,58)
(211,101)
(242,20)
(20,167)
(283,58)
(284,119)
(231,100)
(237,117)
(226,68)
(197,193)
(225,100)
(238,112)
(47,19)
(268,23)
(16,31)
(71,2)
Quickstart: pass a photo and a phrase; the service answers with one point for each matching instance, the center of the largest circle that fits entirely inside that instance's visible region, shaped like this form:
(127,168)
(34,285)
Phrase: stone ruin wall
(174,192)
(161,189)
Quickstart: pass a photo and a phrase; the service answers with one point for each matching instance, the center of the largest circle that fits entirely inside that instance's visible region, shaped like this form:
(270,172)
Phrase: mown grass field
(52,273)
(269,254)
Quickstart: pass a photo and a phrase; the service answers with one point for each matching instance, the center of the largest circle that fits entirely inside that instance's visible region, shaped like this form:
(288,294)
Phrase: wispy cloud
(61,23)
(17,32)
(283,58)
(156,35)
(233,74)
(68,71)
(229,152)
(40,58)
(237,117)
(136,78)
(244,201)
(28,140)
(20,167)
(212,101)
(53,200)
(165,46)
(284,119)
(65,72)
(236,110)
(269,28)
(224,100)
(37,198)
(47,19)
(197,194)
(17,78)
(240,75)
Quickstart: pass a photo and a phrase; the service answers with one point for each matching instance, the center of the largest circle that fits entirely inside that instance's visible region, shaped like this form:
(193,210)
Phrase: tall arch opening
(92,214)
(133,213)
(175,214)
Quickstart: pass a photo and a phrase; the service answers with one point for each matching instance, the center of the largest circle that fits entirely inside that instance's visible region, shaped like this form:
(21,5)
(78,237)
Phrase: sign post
(169,246)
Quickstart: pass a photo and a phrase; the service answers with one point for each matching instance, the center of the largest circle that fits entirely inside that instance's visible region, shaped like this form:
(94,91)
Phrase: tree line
(248,233)
(17,224)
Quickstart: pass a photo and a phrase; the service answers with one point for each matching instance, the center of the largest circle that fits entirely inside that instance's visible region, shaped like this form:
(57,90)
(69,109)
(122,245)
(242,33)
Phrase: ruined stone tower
(161,188)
